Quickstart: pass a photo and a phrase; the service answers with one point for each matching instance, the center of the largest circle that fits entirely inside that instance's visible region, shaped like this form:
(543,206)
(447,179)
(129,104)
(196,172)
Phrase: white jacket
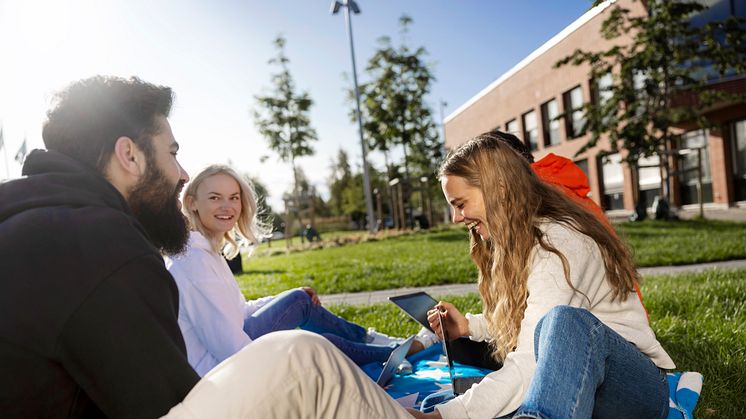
(502,391)
(212,308)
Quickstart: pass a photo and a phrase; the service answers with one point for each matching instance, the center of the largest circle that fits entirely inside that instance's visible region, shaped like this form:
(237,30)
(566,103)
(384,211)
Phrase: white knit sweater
(502,391)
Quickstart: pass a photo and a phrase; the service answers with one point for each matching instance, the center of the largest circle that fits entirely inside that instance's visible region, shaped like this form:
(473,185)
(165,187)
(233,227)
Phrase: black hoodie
(88,312)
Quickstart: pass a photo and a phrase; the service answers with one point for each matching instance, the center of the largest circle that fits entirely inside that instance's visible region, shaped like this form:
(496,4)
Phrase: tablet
(416,305)
(396,358)
(459,384)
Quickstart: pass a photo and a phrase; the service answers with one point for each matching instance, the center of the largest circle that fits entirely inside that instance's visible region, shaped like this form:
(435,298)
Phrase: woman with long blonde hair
(559,306)
(214,316)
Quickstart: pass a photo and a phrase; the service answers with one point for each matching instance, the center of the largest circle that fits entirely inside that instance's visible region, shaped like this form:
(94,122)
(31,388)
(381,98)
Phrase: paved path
(459,289)
(727,214)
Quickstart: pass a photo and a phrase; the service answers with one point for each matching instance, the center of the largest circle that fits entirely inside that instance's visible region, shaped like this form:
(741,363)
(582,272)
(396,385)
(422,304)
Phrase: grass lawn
(699,318)
(409,260)
(658,243)
(441,257)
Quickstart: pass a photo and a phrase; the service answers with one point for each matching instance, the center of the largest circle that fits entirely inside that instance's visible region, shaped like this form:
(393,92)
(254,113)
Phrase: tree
(282,117)
(660,79)
(394,102)
(395,110)
(339,180)
(353,204)
(310,204)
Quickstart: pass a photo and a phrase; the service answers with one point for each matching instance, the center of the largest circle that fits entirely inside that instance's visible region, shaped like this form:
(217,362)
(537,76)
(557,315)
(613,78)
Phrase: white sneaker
(378,338)
(426,338)
(405,368)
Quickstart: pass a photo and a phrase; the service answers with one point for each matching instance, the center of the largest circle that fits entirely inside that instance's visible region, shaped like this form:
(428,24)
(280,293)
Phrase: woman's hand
(312,293)
(456,324)
(419,415)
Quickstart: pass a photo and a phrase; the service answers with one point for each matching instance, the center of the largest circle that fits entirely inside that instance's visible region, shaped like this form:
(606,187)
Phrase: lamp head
(353,6)
(335,6)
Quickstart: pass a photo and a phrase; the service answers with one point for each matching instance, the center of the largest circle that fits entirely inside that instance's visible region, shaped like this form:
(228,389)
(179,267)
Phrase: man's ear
(128,156)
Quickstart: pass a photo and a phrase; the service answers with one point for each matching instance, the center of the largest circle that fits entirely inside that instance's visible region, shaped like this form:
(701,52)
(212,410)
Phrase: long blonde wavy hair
(516,202)
(248,227)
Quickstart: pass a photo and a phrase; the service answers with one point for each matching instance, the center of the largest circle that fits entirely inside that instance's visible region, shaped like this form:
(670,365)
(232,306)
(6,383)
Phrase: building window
(601,93)
(603,89)
(639,81)
(583,165)
(550,123)
(530,130)
(574,119)
(717,10)
(512,127)
(612,182)
(738,138)
(649,178)
(688,144)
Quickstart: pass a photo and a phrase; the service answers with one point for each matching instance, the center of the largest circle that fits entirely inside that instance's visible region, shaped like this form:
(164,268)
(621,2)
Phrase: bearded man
(88,311)
(88,323)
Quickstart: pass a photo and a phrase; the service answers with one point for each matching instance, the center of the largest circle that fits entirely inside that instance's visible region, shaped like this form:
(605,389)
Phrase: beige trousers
(291,374)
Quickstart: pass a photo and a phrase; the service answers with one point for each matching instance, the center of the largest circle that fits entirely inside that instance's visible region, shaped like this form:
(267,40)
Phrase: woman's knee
(564,314)
(561,317)
(296,296)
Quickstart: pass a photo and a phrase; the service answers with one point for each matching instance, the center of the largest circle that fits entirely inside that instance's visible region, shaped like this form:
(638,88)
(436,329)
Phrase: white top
(502,391)
(212,308)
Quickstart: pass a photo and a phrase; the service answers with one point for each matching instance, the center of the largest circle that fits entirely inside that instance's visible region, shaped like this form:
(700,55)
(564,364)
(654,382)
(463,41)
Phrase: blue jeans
(584,369)
(293,308)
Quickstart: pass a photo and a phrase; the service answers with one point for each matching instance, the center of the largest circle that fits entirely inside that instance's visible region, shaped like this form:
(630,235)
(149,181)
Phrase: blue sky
(214,55)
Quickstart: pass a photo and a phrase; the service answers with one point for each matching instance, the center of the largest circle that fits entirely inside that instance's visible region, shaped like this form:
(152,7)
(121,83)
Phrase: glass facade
(717,10)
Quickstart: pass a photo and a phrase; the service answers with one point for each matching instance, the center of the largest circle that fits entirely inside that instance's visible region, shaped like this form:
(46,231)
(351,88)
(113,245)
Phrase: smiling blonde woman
(214,316)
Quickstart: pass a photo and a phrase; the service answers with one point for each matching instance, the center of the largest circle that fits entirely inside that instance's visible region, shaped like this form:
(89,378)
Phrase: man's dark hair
(514,142)
(91,114)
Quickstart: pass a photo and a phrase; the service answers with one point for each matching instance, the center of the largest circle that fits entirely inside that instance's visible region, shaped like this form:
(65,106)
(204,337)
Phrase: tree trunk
(406,184)
(296,196)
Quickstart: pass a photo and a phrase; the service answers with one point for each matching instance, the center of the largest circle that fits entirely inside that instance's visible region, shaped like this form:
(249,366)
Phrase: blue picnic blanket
(430,377)
(683,393)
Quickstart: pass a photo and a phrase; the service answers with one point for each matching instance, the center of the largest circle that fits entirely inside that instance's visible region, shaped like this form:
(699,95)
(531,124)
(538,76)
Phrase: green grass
(699,318)
(295,241)
(409,260)
(701,321)
(441,257)
(658,243)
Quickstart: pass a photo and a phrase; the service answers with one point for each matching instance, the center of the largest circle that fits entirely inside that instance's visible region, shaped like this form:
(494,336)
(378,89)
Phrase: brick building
(525,100)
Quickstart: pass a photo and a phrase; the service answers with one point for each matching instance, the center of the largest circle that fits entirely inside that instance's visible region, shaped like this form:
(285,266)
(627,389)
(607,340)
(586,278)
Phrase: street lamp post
(351,5)
(444,150)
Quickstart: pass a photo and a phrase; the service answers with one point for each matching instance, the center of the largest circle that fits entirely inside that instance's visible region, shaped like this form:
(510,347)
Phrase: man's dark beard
(155,205)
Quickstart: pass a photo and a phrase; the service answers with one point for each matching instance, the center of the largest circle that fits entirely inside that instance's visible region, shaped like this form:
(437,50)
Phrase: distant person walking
(311,234)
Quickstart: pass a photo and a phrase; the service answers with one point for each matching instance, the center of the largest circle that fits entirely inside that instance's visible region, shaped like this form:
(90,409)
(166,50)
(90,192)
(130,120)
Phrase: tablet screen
(416,305)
